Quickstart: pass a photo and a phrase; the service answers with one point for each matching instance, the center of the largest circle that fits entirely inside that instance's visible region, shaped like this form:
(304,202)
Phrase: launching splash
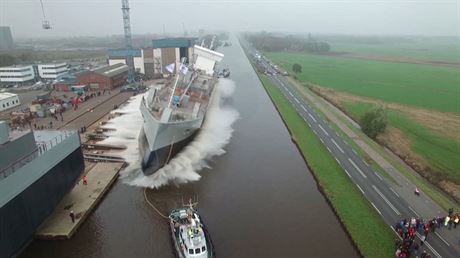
(174,112)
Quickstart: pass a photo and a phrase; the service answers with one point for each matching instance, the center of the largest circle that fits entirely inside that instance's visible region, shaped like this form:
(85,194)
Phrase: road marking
(346,171)
(290,94)
(357,168)
(376,208)
(329,149)
(303,107)
(308,124)
(297,100)
(315,132)
(381,179)
(336,145)
(442,239)
(386,200)
(394,192)
(354,151)
(416,214)
(359,187)
(323,130)
(338,161)
(312,117)
(321,140)
(432,250)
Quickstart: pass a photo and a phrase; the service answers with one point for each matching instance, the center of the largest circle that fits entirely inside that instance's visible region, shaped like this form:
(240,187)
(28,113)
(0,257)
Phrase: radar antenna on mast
(45,23)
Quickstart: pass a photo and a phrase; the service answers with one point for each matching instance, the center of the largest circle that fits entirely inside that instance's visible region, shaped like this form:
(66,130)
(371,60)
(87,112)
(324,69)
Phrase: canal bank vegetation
(369,232)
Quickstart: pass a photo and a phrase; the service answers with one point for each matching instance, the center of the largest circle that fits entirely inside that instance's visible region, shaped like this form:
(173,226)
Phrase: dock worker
(72,216)
(85,180)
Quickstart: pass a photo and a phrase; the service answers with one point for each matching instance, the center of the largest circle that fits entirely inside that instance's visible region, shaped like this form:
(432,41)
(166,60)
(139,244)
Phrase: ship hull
(22,215)
(156,159)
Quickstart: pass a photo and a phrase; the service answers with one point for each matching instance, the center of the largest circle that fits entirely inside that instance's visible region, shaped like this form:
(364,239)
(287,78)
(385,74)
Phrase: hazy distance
(103,17)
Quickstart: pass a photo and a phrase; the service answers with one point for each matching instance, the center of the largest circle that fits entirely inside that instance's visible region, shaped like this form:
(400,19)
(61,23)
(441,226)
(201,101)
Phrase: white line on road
(432,250)
(394,192)
(297,100)
(321,140)
(323,130)
(381,179)
(386,200)
(336,145)
(290,93)
(303,107)
(355,151)
(312,117)
(338,161)
(376,208)
(357,168)
(359,187)
(329,149)
(442,239)
(416,214)
(348,174)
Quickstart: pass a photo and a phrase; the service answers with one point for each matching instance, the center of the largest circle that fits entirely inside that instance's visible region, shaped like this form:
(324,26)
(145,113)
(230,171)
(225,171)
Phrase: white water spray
(209,142)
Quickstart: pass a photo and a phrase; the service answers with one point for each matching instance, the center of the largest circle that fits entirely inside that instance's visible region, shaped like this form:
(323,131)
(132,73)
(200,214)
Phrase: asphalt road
(377,189)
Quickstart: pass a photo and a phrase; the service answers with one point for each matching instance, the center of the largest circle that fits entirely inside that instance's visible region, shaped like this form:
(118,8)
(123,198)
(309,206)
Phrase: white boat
(173,112)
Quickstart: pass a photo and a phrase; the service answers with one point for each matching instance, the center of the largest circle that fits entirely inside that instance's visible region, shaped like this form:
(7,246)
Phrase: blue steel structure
(128,40)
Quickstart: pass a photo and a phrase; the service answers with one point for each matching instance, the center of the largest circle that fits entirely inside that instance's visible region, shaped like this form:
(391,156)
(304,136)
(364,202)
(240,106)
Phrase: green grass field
(426,86)
(439,151)
(372,236)
(448,51)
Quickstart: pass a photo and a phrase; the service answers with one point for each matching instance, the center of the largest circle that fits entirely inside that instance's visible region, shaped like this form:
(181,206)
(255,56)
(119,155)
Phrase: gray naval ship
(174,112)
(37,168)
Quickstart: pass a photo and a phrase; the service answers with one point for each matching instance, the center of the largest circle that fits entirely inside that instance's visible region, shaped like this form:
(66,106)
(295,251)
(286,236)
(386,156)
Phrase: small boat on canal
(189,234)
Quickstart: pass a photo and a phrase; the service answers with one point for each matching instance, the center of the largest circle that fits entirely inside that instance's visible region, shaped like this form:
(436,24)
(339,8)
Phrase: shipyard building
(19,74)
(151,61)
(52,71)
(8,100)
(6,39)
(104,78)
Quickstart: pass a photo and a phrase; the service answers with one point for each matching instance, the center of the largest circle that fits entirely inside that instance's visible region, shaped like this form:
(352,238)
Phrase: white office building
(52,71)
(8,100)
(17,74)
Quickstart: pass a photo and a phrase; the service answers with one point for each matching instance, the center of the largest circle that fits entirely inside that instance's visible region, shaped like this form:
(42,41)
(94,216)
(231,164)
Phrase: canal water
(257,200)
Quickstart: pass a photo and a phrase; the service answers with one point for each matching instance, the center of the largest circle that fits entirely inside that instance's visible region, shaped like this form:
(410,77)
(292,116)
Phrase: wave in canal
(210,141)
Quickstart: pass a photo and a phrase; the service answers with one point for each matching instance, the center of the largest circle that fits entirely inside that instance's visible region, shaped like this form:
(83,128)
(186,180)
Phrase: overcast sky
(103,17)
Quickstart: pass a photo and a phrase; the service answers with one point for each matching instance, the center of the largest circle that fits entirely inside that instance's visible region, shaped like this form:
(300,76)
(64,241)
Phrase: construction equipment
(128,40)
(45,23)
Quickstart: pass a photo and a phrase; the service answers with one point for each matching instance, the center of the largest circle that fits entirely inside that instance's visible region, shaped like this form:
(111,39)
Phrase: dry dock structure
(81,200)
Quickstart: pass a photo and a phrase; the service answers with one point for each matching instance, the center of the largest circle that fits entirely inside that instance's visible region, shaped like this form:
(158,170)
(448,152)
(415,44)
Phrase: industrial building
(65,82)
(8,100)
(17,74)
(6,39)
(170,50)
(52,71)
(104,78)
(117,56)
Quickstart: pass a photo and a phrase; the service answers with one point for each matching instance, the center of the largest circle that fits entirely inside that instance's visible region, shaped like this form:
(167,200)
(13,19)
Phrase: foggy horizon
(360,18)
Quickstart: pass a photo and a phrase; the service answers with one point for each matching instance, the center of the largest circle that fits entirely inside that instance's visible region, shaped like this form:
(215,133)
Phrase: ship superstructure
(37,168)
(173,112)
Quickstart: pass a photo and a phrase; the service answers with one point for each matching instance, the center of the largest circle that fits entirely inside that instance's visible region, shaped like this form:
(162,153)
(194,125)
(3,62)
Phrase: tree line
(272,43)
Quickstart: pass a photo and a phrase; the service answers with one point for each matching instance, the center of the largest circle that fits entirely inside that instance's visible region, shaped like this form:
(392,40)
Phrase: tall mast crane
(45,24)
(128,40)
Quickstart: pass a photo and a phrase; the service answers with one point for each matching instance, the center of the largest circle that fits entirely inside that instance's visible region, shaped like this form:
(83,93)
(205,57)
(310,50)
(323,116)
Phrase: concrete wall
(138,63)
(14,150)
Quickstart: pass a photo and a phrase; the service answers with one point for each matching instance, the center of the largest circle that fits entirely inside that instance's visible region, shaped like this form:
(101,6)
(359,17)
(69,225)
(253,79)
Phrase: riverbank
(371,235)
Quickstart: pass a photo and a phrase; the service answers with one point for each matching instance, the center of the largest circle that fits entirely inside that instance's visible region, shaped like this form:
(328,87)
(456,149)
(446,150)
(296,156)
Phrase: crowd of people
(408,245)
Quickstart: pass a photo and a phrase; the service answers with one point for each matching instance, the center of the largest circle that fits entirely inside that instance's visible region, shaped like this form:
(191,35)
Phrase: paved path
(82,199)
(393,202)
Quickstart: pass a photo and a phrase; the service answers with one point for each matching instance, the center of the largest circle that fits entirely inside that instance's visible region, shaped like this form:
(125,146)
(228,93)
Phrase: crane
(45,24)
(128,40)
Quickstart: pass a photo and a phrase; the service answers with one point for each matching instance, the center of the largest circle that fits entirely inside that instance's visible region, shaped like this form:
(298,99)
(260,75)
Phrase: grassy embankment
(422,50)
(417,86)
(369,232)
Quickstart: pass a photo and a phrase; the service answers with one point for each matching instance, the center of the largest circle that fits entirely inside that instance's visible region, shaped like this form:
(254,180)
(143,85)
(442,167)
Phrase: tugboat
(189,234)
